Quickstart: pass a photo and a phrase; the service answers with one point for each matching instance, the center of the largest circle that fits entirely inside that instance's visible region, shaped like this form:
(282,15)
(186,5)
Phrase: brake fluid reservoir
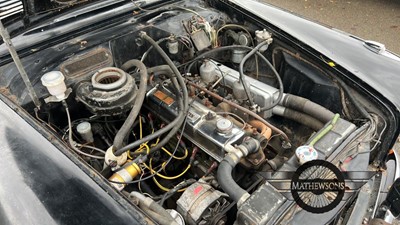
(54,82)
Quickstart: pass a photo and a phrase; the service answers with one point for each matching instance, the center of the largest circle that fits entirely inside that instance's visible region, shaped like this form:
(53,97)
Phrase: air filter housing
(111,91)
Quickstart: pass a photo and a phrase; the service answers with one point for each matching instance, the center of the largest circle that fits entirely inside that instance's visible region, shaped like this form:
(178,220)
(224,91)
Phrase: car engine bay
(191,112)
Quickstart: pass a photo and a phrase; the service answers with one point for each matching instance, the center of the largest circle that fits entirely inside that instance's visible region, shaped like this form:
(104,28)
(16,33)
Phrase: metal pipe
(7,40)
(149,205)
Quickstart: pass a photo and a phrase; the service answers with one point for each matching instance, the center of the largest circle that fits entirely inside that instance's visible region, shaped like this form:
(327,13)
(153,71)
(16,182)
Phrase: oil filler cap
(224,126)
(306,153)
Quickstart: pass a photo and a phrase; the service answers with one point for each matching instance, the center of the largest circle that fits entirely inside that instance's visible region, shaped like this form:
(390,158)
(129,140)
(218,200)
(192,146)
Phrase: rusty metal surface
(86,64)
(377,222)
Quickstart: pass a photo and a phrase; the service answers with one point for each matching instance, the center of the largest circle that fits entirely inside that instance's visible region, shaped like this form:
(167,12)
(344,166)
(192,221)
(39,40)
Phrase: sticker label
(164,97)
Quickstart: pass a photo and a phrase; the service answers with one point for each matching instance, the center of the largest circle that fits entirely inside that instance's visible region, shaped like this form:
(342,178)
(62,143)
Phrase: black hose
(165,164)
(241,72)
(308,107)
(158,133)
(127,126)
(224,48)
(225,168)
(172,191)
(302,118)
(184,93)
(171,64)
(224,176)
(176,123)
(165,69)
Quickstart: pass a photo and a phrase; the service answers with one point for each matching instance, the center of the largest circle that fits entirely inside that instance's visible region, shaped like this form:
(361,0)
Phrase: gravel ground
(377,20)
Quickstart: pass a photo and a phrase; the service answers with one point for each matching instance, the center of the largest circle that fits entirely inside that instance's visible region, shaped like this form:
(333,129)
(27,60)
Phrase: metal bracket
(374,46)
(55,99)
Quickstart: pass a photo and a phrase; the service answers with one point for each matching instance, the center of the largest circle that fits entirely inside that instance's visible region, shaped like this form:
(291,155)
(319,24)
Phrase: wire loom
(145,147)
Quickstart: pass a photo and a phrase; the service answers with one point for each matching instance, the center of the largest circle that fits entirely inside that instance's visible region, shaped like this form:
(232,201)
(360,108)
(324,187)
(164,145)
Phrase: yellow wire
(152,131)
(158,183)
(158,140)
(164,188)
(176,157)
(140,127)
(144,145)
(147,149)
(163,176)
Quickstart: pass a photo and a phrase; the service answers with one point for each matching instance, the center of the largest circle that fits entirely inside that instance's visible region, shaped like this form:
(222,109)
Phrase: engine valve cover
(207,129)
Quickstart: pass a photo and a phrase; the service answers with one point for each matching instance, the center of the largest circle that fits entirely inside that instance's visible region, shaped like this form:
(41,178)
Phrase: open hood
(193,112)
(377,68)
(19,15)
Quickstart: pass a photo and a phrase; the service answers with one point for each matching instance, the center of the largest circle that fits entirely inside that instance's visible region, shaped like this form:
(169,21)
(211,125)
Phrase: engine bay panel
(186,110)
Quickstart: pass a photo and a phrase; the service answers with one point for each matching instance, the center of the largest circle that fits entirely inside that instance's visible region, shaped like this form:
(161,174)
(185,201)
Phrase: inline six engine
(195,113)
